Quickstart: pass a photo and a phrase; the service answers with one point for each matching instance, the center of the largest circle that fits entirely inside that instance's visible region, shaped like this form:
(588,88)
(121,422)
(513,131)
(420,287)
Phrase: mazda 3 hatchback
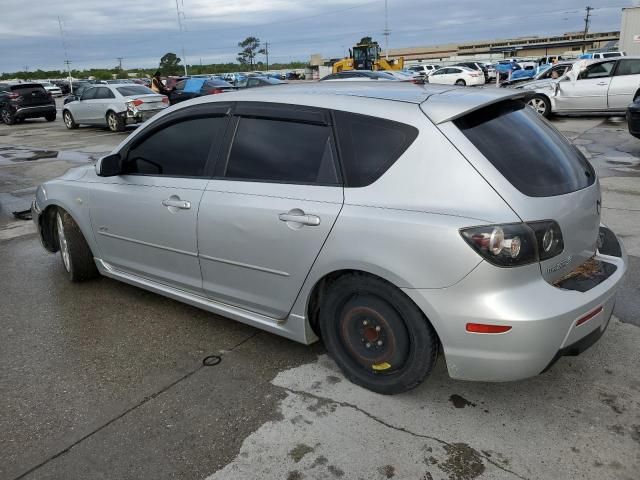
(392,221)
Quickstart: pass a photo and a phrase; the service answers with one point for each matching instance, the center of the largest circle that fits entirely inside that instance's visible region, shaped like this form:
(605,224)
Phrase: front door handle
(602,84)
(301,218)
(176,203)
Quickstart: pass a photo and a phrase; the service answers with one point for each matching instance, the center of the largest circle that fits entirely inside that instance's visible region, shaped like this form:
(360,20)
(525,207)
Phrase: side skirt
(293,327)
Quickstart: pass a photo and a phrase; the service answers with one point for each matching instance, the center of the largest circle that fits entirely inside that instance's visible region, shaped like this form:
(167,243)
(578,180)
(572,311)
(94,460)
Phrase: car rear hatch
(538,172)
(31,94)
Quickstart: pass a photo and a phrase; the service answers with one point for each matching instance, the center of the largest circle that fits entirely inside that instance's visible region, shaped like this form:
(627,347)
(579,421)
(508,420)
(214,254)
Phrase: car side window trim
(202,111)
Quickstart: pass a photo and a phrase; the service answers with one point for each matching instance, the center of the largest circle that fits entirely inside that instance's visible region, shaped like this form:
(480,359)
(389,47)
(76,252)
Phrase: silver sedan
(589,86)
(389,220)
(113,105)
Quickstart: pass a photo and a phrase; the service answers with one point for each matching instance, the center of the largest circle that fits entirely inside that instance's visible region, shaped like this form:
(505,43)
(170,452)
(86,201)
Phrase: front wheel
(115,122)
(69,122)
(376,334)
(461,83)
(76,255)
(540,104)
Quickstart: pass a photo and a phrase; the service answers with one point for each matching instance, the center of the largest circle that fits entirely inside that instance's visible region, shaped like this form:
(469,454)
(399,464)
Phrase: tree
(170,64)
(250,48)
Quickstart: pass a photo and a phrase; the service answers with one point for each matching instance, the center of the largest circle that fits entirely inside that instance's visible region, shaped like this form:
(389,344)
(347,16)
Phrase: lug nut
(379,343)
(368,345)
(377,329)
(365,323)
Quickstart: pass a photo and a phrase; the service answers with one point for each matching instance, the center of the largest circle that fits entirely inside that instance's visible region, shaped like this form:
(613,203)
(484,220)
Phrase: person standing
(157,85)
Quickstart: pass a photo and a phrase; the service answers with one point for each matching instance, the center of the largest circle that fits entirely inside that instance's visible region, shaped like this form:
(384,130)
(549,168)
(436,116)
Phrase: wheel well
(319,290)
(48,228)
(636,95)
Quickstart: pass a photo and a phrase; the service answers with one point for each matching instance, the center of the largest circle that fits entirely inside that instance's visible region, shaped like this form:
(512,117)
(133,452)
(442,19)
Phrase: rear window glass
(370,145)
(134,90)
(526,150)
(27,88)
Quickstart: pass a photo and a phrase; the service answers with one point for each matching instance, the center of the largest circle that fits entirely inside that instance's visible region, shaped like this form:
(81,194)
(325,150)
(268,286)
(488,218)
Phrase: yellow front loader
(367,57)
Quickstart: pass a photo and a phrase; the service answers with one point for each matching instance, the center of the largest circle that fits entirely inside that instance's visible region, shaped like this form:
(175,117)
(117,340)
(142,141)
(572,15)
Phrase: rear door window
(628,67)
(279,151)
(532,155)
(370,145)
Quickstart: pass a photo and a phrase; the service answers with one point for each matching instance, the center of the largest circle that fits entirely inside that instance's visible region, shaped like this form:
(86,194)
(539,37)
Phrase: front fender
(73,197)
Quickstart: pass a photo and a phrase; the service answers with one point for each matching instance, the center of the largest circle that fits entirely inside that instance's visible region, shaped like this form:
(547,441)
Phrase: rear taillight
(165,99)
(515,244)
(14,95)
(215,91)
(137,102)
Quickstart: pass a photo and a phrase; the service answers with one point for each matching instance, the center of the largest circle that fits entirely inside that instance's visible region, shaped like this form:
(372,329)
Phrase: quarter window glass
(598,70)
(370,145)
(178,150)
(282,152)
(533,156)
(628,67)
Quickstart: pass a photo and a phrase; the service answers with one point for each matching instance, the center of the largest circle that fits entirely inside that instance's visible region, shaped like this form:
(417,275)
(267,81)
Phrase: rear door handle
(182,204)
(602,83)
(304,219)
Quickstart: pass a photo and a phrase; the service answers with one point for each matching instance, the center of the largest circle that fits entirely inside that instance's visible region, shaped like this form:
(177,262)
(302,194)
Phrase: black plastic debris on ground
(23,215)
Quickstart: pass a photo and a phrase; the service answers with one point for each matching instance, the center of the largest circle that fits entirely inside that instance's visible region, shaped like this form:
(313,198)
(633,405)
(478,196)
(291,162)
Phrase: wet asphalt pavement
(102,380)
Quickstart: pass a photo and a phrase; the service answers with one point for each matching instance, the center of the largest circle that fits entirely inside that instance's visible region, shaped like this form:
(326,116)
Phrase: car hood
(535,84)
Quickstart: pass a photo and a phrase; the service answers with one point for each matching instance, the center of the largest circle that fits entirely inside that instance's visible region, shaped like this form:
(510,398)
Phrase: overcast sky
(141,31)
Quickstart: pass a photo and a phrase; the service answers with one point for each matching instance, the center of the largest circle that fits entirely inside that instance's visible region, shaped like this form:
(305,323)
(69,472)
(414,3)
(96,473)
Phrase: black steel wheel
(376,334)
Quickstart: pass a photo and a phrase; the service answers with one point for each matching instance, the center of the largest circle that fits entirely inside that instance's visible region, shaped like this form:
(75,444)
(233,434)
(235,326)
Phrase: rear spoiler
(453,104)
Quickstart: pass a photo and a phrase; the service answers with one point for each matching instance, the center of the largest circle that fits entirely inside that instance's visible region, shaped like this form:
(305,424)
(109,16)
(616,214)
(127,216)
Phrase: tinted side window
(370,145)
(103,92)
(281,151)
(178,150)
(628,67)
(599,70)
(90,93)
(532,155)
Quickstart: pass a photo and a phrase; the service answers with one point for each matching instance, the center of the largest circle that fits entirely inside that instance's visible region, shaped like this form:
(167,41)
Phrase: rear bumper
(140,116)
(543,318)
(36,111)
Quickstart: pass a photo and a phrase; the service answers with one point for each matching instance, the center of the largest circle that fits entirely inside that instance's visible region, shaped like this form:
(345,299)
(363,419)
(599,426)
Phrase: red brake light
(213,91)
(137,102)
(484,328)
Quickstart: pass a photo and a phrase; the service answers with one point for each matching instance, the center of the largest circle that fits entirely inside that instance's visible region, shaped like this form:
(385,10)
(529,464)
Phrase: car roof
(441,103)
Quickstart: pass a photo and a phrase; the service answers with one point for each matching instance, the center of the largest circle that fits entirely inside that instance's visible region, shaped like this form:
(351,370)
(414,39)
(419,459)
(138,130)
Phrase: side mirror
(109,166)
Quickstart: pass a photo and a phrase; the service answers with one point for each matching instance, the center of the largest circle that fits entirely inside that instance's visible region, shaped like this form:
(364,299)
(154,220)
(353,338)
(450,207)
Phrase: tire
(50,117)
(115,122)
(69,122)
(376,334)
(461,83)
(541,105)
(75,253)
(7,117)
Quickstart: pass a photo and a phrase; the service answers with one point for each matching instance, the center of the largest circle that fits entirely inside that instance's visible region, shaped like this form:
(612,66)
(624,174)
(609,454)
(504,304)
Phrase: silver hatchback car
(392,221)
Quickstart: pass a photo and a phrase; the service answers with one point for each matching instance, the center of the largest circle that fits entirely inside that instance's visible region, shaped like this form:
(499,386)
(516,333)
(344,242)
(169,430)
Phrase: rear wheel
(540,104)
(7,117)
(376,334)
(69,122)
(76,255)
(50,117)
(115,122)
(461,83)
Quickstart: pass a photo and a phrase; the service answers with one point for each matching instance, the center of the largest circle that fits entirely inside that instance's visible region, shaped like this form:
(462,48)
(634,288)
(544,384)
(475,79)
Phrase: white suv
(424,70)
